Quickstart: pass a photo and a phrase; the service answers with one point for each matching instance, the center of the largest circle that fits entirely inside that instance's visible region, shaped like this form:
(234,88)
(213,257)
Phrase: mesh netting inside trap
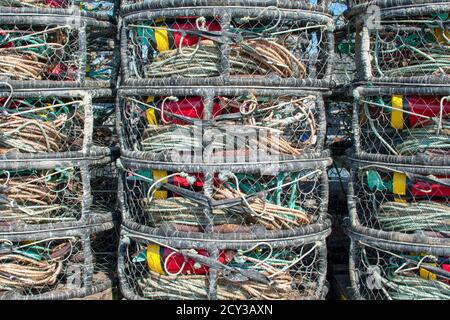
(408,44)
(395,200)
(55,52)
(259,44)
(151,270)
(243,127)
(57,267)
(380,273)
(92,6)
(404,125)
(54,123)
(31,197)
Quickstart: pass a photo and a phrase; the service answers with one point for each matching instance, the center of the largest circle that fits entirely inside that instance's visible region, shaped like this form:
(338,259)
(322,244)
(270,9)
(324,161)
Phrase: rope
(414,216)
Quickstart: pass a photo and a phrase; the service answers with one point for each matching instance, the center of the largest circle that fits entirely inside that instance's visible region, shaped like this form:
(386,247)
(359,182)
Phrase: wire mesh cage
(220,125)
(55,122)
(408,125)
(404,45)
(230,201)
(382,269)
(56,265)
(227,46)
(56,194)
(411,202)
(98,9)
(130,6)
(43,50)
(176,269)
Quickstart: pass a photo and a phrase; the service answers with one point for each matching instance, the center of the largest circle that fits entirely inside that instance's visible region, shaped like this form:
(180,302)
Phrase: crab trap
(387,269)
(410,202)
(56,265)
(131,6)
(408,125)
(227,46)
(200,269)
(251,200)
(409,44)
(220,125)
(55,123)
(98,9)
(56,193)
(43,50)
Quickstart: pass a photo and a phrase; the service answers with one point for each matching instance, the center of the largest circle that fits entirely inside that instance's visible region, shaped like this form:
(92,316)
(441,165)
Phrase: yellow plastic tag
(440,35)
(397,112)
(154,258)
(150,113)
(162,39)
(427,275)
(159,174)
(399,186)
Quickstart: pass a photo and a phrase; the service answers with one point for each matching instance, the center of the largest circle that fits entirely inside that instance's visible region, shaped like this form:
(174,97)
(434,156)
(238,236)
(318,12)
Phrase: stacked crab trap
(223,182)
(399,191)
(57,190)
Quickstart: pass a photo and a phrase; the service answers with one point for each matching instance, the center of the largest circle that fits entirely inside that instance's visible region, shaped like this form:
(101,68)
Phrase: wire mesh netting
(154,269)
(242,45)
(387,272)
(407,45)
(54,123)
(98,8)
(42,196)
(404,123)
(55,266)
(224,201)
(63,50)
(409,200)
(231,125)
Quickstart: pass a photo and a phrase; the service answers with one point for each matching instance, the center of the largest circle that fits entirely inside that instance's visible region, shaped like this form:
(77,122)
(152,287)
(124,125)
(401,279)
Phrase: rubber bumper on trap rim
(130,6)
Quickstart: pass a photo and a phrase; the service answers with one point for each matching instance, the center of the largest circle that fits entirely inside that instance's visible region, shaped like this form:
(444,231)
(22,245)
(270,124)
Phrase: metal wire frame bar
(87,97)
(84,234)
(363,40)
(384,241)
(418,159)
(321,6)
(88,215)
(80,24)
(225,79)
(209,94)
(213,246)
(209,172)
(354,220)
